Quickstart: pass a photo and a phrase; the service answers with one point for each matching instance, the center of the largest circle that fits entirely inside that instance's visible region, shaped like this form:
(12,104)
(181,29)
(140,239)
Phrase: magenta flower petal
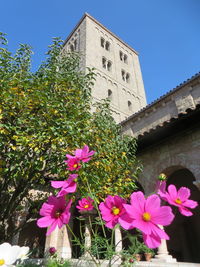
(172,191)
(46,209)
(78,153)
(190,204)
(164,217)
(183,193)
(160,187)
(106,213)
(84,154)
(132,212)
(145,227)
(111,224)
(152,241)
(152,204)
(68,186)
(45,221)
(67,190)
(126,222)
(57,184)
(184,211)
(159,232)
(52,228)
(138,201)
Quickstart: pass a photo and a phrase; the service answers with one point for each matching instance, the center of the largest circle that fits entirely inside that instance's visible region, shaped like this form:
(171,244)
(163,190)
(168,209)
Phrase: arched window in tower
(127,77)
(104,62)
(129,105)
(107,46)
(75,44)
(125,59)
(110,94)
(109,65)
(71,48)
(102,42)
(121,55)
(123,75)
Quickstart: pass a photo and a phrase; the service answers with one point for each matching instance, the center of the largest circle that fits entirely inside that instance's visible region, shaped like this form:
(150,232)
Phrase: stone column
(118,244)
(60,240)
(118,240)
(88,239)
(163,254)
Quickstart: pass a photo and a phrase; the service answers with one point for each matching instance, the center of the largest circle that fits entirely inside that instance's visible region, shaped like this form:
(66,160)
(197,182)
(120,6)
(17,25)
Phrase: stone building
(117,67)
(168,133)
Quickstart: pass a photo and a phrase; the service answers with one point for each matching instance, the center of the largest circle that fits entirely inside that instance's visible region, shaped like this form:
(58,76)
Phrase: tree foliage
(43,116)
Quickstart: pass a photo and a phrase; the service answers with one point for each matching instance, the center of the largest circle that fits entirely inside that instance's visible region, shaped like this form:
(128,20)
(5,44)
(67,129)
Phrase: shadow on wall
(33,237)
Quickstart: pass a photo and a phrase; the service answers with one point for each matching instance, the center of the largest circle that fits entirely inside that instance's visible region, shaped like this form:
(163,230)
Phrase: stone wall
(180,152)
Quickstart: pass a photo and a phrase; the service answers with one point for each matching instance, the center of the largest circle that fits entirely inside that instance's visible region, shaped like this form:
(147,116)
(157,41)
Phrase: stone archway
(184,232)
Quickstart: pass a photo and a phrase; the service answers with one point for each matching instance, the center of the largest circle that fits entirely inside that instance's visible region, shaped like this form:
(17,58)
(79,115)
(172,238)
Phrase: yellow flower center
(2,262)
(75,165)
(178,201)
(115,210)
(86,206)
(146,217)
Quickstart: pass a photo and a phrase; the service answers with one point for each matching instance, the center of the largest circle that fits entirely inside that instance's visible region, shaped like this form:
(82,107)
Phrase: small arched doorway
(184,232)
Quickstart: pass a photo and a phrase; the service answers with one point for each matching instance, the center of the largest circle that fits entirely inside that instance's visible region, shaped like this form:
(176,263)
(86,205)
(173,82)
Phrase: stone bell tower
(117,67)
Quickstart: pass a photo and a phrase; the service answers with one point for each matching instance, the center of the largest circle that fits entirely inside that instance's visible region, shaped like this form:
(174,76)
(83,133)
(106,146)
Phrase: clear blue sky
(166,33)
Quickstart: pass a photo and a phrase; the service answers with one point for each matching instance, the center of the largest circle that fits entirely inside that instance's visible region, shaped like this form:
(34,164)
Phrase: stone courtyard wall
(179,152)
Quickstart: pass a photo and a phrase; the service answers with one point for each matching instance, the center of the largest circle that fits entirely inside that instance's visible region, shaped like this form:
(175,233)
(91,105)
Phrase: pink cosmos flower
(146,215)
(84,154)
(85,204)
(73,163)
(111,210)
(179,199)
(55,213)
(68,186)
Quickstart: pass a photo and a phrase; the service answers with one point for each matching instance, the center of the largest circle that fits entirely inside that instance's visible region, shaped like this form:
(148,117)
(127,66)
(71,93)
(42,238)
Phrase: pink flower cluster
(56,211)
(80,155)
(145,214)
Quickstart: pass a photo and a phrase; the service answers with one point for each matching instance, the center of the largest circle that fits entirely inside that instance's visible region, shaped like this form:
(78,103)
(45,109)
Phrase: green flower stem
(87,250)
(96,206)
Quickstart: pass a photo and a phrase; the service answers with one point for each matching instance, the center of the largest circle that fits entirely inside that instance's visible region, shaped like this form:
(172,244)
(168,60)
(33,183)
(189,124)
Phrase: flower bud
(52,250)
(162,177)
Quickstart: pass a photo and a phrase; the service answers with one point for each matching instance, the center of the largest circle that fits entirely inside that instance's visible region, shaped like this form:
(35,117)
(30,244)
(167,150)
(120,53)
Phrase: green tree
(43,116)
